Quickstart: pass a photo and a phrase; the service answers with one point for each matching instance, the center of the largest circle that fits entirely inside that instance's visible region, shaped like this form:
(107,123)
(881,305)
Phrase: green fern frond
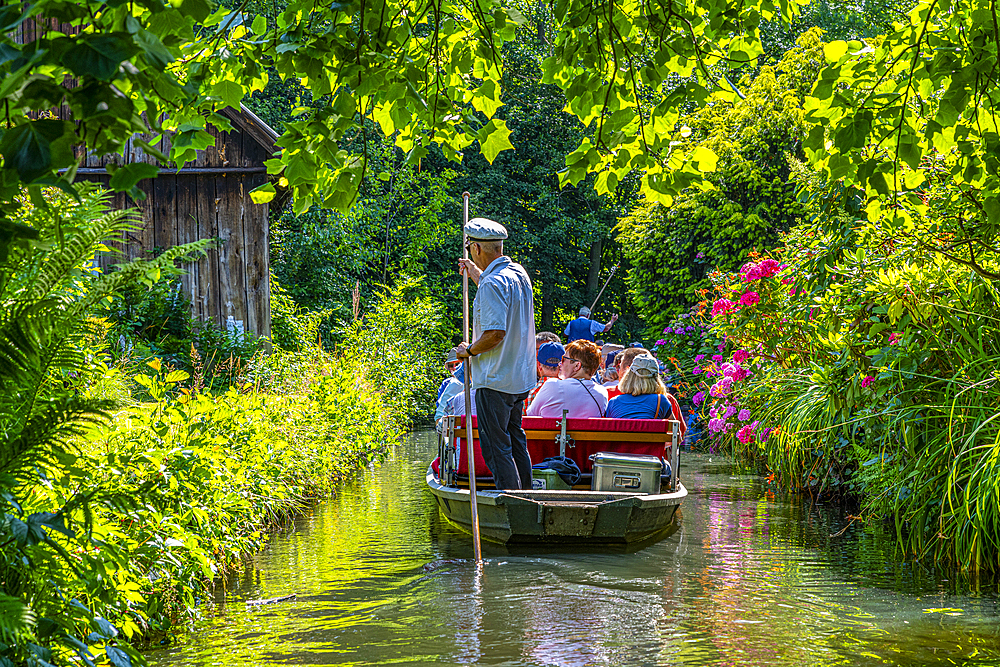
(42,438)
(79,248)
(16,618)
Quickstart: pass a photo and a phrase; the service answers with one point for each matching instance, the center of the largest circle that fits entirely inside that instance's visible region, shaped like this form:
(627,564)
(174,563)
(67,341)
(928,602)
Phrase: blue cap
(550,354)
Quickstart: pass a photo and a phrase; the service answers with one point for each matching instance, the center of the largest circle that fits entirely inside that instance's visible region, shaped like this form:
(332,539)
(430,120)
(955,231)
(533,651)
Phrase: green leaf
(486,98)
(516,16)
(705,157)
(259,25)
(176,376)
(494,137)
(263,193)
(37,148)
(126,177)
(199,10)
(99,55)
(230,92)
(834,51)
(156,53)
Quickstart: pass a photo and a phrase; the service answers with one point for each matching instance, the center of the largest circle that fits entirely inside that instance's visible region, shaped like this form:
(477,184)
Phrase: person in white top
(502,351)
(575,391)
(452,385)
(456,406)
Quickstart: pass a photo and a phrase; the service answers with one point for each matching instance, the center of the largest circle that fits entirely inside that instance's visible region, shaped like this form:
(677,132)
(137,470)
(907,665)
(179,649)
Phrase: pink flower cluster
(749,299)
(722,387)
(868,381)
(722,306)
(725,407)
(735,371)
(765,269)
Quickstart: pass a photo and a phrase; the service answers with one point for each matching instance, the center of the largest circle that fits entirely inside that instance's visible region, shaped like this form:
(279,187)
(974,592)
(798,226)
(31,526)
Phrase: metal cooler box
(634,473)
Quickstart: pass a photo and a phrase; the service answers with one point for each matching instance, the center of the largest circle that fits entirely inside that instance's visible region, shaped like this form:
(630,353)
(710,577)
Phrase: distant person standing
(584,328)
(503,351)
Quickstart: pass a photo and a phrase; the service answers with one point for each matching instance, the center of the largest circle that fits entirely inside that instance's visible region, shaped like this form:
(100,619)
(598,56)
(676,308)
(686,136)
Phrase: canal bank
(750,579)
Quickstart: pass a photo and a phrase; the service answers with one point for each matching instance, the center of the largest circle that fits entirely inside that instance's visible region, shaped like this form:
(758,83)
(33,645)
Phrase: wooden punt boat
(579,515)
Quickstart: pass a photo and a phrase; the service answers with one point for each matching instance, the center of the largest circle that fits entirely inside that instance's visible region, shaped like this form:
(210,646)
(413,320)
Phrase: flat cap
(484,229)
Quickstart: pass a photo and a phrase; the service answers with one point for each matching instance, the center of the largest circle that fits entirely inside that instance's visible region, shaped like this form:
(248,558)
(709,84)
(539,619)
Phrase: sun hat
(550,354)
(645,366)
(452,355)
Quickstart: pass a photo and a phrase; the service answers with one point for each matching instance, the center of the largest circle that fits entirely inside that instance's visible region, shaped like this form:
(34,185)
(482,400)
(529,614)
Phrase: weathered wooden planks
(232,281)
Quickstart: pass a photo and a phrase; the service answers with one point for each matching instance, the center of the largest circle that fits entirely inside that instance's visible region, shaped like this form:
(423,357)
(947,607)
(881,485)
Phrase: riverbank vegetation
(131,486)
(852,355)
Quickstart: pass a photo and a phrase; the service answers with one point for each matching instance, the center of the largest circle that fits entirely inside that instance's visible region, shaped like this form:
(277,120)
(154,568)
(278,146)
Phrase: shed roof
(247,121)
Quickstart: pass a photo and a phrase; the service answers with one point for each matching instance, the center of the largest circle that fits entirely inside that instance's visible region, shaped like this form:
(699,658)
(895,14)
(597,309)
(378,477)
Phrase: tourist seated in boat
(451,386)
(575,391)
(644,396)
(608,371)
(456,406)
(624,360)
(548,359)
(546,337)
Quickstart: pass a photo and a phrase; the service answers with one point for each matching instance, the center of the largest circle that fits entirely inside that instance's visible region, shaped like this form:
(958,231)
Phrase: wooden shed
(208,198)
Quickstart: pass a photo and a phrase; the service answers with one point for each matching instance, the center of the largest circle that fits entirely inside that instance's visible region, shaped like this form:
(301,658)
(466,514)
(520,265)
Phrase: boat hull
(551,517)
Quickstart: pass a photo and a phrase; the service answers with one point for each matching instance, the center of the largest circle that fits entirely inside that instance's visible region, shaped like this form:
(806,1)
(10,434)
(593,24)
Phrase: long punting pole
(598,298)
(468,385)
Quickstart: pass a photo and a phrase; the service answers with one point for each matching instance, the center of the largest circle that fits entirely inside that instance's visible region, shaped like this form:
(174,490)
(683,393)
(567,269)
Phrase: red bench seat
(650,437)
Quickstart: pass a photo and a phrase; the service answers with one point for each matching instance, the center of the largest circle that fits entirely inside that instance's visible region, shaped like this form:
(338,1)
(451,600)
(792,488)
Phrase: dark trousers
(504,445)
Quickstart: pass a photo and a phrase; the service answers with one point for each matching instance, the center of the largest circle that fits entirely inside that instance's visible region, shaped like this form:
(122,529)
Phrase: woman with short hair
(575,391)
(644,396)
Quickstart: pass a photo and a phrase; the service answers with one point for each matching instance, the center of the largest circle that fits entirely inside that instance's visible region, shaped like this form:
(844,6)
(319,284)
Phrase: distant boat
(635,498)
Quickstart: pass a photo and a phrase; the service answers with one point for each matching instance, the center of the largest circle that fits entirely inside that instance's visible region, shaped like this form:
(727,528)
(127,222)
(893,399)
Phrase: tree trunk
(548,307)
(594,275)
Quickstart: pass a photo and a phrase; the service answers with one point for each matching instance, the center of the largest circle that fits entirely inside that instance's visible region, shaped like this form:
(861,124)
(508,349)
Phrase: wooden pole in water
(466,335)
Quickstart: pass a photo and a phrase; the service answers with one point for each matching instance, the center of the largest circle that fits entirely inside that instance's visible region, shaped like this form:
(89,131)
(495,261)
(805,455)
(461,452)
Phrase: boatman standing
(584,328)
(502,351)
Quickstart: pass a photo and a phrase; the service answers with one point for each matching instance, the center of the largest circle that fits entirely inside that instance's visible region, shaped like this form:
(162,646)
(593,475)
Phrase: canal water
(750,579)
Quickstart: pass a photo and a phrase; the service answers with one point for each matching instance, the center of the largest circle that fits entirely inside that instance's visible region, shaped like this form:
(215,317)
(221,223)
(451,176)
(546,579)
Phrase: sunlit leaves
(494,138)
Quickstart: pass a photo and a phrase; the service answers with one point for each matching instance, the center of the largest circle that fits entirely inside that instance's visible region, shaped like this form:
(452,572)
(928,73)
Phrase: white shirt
(456,406)
(504,302)
(583,399)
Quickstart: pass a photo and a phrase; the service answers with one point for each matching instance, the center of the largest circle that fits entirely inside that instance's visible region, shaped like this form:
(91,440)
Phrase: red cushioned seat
(542,448)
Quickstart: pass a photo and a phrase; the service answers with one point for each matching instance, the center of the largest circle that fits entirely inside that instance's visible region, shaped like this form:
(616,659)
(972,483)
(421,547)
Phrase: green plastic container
(547,479)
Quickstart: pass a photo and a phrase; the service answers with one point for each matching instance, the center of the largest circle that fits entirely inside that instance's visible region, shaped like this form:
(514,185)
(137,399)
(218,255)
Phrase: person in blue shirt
(450,387)
(644,396)
(584,328)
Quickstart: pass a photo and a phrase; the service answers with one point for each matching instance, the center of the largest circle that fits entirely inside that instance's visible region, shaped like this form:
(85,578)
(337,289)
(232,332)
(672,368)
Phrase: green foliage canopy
(426,72)
(744,204)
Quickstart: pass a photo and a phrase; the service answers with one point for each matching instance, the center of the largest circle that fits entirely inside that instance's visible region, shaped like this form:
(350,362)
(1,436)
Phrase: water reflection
(750,579)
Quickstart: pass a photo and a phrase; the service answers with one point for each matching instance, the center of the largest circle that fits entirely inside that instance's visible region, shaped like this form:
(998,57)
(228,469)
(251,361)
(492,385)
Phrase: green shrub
(293,328)
(747,203)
